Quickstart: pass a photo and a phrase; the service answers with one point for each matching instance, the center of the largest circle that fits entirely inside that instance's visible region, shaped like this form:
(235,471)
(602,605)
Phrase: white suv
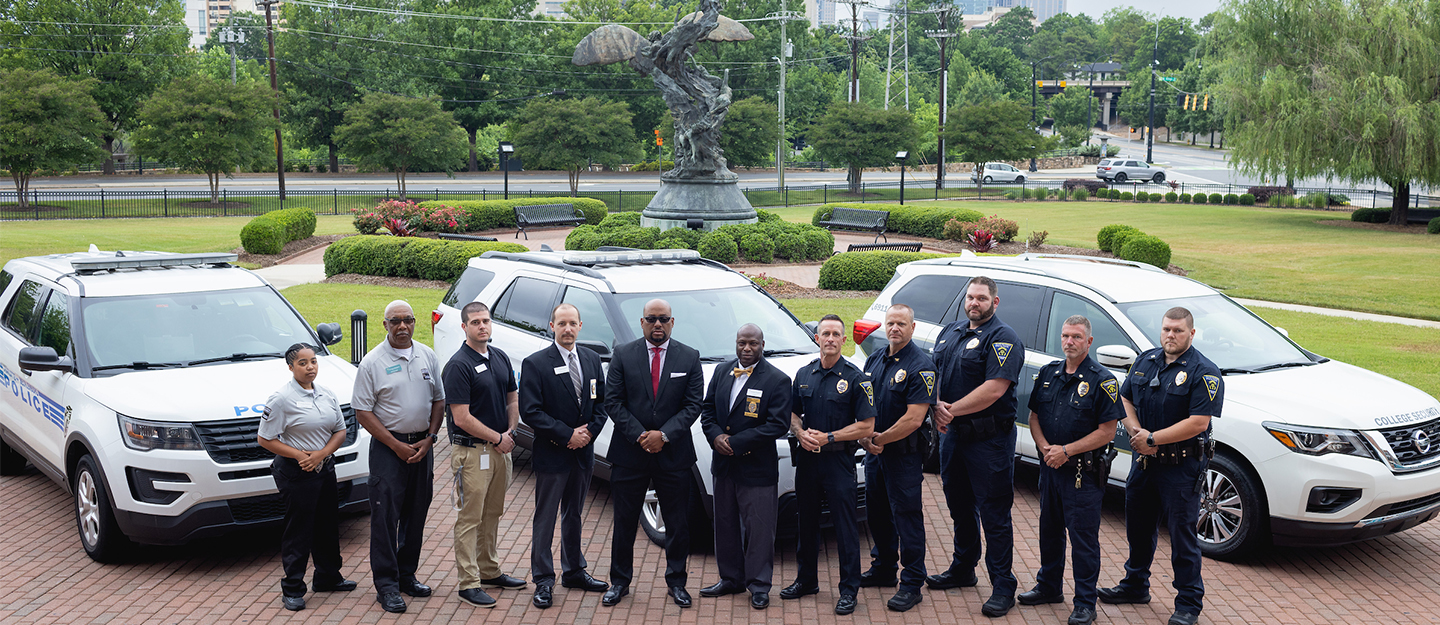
(709,300)
(1309,451)
(136,380)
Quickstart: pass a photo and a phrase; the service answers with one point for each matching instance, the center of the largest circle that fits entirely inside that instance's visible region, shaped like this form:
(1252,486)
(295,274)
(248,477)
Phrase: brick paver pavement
(235,579)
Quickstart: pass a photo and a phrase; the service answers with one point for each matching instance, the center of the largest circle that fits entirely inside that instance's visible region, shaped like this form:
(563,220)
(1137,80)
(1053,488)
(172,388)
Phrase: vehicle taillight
(435,316)
(863,328)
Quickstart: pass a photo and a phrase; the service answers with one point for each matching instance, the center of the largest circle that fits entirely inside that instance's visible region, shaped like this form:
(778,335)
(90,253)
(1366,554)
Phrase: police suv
(136,381)
(709,300)
(1309,450)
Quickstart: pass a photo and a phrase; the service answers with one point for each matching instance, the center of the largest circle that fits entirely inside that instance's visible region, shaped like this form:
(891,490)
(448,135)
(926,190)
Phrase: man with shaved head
(746,408)
(398,398)
(653,393)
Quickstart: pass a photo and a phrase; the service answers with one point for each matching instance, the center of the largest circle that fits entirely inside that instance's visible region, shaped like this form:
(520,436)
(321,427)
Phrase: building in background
(203,16)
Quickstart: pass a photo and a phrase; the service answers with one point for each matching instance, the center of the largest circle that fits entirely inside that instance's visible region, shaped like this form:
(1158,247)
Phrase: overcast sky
(1193,9)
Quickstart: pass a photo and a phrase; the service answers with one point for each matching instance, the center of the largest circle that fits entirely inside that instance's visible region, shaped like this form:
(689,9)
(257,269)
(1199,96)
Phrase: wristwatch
(664,438)
(434,438)
(1150,440)
(830,437)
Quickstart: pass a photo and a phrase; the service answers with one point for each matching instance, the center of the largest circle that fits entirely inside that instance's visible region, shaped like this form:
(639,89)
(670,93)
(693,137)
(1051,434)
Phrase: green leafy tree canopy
(570,134)
(993,131)
(860,136)
(402,134)
(208,125)
(46,122)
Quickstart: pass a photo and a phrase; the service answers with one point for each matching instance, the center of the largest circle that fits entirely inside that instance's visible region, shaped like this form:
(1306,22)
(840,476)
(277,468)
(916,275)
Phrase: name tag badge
(592,389)
(752,407)
(562,370)
(481,368)
(392,369)
(425,374)
(754,392)
(679,374)
(485,462)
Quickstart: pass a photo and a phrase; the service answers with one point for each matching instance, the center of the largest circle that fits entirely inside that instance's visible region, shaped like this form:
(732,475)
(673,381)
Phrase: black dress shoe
(613,596)
(903,600)
(1035,596)
(542,597)
(1184,618)
(415,589)
(343,585)
(872,579)
(997,606)
(952,579)
(294,604)
(720,589)
(477,598)
(585,582)
(504,581)
(798,590)
(1117,595)
(846,605)
(759,600)
(391,602)
(680,596)
(1081,616)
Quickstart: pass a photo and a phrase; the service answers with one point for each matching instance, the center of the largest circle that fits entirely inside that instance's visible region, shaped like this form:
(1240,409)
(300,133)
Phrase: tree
(1071,110)
(750,132)
(1125,30)
(1362,107)
(860,136)
(45,123)
(994,131)
(402,134)
(1069,40)
(200,123)
(254,48)
(1013,31)
(570,134)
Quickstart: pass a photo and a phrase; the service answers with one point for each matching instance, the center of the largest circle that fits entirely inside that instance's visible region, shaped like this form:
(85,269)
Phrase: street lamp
(1033,103)
(1154,61)
(901,156)
(506,149)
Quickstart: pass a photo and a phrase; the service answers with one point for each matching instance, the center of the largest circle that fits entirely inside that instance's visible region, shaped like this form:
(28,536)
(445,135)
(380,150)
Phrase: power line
(479,18)
(423,45)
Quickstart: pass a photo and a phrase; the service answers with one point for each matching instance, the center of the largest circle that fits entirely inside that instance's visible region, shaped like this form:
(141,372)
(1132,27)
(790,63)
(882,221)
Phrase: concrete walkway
(1350,314)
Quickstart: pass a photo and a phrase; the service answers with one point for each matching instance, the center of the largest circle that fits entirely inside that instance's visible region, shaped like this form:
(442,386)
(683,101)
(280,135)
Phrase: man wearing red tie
(744,413)
(653,393)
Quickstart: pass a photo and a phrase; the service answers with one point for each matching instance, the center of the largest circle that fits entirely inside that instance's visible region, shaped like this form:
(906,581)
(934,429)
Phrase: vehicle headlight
(1319,441)
(148,435)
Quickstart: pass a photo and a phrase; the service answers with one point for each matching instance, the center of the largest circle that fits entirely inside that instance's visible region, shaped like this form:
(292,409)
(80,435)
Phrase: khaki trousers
(480,502)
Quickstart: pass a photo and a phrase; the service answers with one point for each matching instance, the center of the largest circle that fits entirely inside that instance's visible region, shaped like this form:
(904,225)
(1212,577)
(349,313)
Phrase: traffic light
(1207,102)
(1064,83)
(1182,100)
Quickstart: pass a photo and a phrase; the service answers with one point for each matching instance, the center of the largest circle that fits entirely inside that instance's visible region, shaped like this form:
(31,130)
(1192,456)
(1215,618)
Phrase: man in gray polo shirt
(400,400)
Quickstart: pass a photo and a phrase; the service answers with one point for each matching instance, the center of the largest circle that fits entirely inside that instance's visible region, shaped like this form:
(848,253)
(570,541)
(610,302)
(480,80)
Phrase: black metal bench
(1421,215)
(883,247)
(858,219)
(540,215)
(464,237)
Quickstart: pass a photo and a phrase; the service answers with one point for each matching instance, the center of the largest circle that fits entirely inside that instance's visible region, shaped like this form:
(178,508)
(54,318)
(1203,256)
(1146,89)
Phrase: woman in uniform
(303,426)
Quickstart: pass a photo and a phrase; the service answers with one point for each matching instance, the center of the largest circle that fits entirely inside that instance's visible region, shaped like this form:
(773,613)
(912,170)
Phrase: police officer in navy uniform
(1073,411)
(903,377)
(1170,396)
(833,405)
(980,359)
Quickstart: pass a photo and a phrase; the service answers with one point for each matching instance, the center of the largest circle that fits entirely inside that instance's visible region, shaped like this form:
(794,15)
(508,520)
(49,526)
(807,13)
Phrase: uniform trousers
(481,487)
(312,524)
(897,529)
(831,474)
(1065,508)
(979,482)
(1164,494)
(400,494)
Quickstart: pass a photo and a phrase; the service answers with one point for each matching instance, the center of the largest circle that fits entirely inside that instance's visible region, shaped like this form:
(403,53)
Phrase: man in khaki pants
(484,409)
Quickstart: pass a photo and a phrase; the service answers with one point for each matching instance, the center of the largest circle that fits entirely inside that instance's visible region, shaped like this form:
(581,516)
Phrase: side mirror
(329,333)
(599,347)
(44,359)
(1115,356)
(813,326)
(1283,331)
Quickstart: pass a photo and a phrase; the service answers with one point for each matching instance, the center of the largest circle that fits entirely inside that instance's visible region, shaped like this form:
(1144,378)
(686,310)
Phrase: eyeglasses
(657,319)
(409,321)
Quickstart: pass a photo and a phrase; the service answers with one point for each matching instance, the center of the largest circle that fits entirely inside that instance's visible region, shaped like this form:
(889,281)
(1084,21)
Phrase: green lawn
(209,234)
(325,303)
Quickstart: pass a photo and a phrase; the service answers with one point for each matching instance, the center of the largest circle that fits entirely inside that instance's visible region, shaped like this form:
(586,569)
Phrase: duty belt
(1096,462)
(411,437)
(1178,453)
(467,441)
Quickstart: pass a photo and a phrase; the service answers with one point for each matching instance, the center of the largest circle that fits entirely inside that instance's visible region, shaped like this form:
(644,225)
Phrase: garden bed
(291,249)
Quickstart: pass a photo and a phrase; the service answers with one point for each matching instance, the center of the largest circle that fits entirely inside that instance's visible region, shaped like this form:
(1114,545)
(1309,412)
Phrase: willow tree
(1345,89)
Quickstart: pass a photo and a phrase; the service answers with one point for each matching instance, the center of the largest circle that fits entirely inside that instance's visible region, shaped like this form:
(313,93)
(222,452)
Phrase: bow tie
(737,372)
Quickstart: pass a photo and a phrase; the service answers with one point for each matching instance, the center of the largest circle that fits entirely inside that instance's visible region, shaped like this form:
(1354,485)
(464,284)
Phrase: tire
(1234,519)
(987,180)
(94,516)
(11,461)
(653,522)
(1159,179)
(1120,177)
(1019,180)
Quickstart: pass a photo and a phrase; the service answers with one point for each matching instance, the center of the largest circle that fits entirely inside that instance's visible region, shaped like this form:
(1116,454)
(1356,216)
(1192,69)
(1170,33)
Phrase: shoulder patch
(1112,389)
(929,378)
(1002,351)
(869,391)
(265,415)
(1212,384)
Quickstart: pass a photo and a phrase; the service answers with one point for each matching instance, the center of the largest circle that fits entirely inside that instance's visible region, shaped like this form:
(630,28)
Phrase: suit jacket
(548,406)
(635,409)
(766,396)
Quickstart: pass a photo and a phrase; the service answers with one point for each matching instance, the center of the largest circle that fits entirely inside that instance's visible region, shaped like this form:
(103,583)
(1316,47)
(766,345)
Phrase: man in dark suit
(562,400)
(653,394)
(746,408)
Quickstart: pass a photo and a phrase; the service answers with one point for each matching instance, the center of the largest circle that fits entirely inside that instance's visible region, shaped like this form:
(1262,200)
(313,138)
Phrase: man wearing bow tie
(744,413)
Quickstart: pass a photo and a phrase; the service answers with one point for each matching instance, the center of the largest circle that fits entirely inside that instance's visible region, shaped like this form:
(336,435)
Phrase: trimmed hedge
(797,242)
(1247,200)
(1091,185)
(865,271)
(1102,193)
(491,214)
(1141,196)
(1080,194)
(1127,196)
(1232,199)
(1200,198)
(922,221)
(1146,249)
(268,233)
(407,257)
(758,248)
(1155,197)
(719,247)
(1185,198)
(1262,194)
(1171,197)
(1371,215)
(1434,226)
(1106,237)
(1117,240)
(299,223)
(1216,198)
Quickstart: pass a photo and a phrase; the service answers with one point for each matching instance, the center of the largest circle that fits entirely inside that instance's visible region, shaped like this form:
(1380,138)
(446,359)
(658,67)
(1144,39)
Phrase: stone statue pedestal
(718,201)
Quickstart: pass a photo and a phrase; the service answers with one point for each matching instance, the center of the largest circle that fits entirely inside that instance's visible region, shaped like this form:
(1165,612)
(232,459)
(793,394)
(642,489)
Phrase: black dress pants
(312,524)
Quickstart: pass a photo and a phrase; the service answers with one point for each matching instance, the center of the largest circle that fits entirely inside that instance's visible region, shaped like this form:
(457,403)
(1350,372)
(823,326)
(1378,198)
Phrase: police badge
(1180,378)
(752,407)
(899,376)
(974,342)
(842,386)
(1084,388)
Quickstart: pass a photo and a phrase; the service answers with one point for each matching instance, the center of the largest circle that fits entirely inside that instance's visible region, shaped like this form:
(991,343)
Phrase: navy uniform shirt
(1164,395)
(906,378)
(481,382)
(1070,406)
(828,400)
(969,357)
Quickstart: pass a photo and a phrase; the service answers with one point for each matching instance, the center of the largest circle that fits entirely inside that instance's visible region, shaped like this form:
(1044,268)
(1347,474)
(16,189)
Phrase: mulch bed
(1360,225)
(1019,247)
(292,248)
(401,283)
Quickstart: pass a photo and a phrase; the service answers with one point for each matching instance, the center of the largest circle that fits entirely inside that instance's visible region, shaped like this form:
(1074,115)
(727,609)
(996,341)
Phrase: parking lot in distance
(235,579)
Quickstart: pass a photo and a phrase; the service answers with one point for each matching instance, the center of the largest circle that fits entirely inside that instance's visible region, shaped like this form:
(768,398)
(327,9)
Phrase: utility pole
(1035,103)
(786,51)
(232,36)
(855,39)
(1090,107)
(944,35)
(275,87)
(903,17)
(1154,59)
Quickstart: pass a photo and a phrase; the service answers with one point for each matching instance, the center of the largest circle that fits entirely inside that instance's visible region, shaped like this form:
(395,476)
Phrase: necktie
(655,371)
(575,375)
(739,372)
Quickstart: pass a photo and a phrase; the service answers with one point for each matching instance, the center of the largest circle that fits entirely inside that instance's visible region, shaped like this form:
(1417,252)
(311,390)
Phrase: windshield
(1225,332)
(707,320)
(183,327)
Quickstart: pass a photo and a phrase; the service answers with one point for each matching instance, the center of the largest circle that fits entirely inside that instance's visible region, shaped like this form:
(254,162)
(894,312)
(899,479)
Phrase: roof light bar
(596,258)
(151,261)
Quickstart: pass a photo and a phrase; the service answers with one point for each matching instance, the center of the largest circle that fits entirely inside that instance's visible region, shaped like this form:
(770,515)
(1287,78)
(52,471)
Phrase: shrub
(1371,215)
(1127,196)
(1027,193)
(766,217)
(924,221)
(426,259)
(1171,197)
(1118,240)
(1434,226)
(1141,196)
(1339,199)
(1091,185)
(672,243)
(865,271)
(367,223)
(1004,230)
(1102,193)
(791,246)
(620,220)
(1200,198)
(1263,194)
(583,238)
(1104,239)
(1080,194)
(1185,198)
(819,244)
(690,237)
(263,235)
(981,241)
(1247,199)
(758,248)
(1216,198)
(1147,249)
(491,214)
(718,246)
(1041,193)
(447,219)
(1317,200)
(634,237)
(299,223)
(1037,238)
(1289,201)
(653,166)
(1012,195)
(1155,197)
(1231,199)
